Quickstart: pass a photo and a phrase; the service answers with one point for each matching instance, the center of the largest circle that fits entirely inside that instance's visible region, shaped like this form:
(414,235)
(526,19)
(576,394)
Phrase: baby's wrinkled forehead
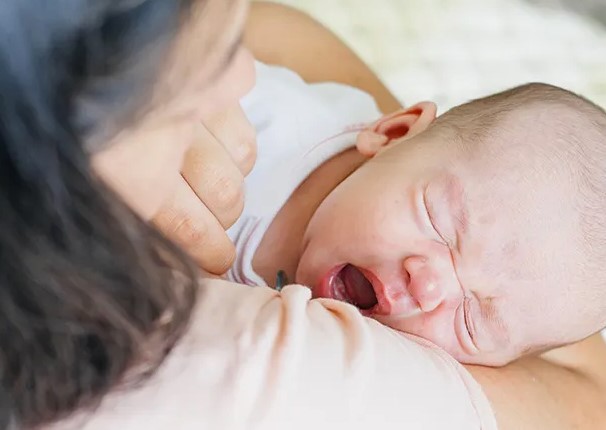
(519,156)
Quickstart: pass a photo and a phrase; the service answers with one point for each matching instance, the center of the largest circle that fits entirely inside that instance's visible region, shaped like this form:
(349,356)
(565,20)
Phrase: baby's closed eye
(444,200)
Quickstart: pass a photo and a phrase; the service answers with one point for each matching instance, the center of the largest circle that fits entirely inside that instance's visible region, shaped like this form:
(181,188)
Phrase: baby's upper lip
(393,297)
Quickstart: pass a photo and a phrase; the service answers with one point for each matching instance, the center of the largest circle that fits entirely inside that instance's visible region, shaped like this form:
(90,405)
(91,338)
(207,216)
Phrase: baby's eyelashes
(428,212)
(469,322)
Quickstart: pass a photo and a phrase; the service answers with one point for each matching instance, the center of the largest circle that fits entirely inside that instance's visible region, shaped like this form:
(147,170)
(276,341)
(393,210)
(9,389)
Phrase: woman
(104,323)
(86,286)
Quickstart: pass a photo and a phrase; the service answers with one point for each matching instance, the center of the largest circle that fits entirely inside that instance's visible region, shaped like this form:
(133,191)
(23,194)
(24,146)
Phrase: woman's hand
(210,196)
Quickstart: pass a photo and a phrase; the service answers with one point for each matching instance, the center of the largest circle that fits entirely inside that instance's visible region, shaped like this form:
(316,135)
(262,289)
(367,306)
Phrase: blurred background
(450,51)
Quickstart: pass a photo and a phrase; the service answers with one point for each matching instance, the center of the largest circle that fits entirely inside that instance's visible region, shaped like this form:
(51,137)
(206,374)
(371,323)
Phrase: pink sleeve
(319,364)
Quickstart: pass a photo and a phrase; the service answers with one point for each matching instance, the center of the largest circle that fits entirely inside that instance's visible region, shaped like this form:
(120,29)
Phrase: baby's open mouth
(351,286)
(365,290)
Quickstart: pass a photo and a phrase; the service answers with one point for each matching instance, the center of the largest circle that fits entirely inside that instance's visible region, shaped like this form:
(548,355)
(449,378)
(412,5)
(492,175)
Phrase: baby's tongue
(359,289)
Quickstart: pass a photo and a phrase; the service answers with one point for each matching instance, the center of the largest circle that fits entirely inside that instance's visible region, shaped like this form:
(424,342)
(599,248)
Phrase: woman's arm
(562,390)
(280,35)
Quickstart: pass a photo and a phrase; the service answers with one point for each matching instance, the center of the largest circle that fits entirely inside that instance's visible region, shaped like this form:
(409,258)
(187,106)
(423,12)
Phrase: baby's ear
(403,123)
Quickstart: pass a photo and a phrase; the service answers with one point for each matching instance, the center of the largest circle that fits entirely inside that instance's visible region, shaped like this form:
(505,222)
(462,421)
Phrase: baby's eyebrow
(455,196)
(492,316)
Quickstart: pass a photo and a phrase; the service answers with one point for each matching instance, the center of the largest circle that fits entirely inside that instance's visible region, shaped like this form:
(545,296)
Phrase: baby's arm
(562,390)
(283,36)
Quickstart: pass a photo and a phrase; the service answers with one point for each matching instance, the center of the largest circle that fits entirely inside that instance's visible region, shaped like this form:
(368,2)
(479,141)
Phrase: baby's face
(459,252)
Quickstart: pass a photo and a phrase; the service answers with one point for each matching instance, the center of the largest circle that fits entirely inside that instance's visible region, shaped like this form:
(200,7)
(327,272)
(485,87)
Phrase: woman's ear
(404,123)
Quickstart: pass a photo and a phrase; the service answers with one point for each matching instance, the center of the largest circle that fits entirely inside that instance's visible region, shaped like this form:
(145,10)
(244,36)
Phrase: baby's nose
(427,293)
(425,284)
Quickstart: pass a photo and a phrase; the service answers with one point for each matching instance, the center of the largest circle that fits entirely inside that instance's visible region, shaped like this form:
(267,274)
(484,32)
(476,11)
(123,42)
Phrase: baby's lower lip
(324,288)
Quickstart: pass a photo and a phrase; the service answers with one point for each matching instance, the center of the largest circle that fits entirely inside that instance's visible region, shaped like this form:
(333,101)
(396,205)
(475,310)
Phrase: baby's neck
(281,246)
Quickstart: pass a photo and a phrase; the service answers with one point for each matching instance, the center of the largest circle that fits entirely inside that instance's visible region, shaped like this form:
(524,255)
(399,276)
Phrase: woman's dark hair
(87,289)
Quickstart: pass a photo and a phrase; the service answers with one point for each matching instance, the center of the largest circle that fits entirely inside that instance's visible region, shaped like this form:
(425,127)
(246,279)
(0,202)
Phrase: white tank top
(299,127)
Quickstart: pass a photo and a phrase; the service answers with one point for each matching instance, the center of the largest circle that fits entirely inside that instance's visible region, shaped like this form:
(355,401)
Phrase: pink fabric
(258,359)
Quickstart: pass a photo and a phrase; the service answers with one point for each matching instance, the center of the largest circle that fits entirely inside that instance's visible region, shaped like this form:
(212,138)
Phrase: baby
(482,230)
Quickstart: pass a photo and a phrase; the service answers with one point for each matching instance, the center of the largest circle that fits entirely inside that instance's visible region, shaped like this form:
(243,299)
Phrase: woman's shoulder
(217,375)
